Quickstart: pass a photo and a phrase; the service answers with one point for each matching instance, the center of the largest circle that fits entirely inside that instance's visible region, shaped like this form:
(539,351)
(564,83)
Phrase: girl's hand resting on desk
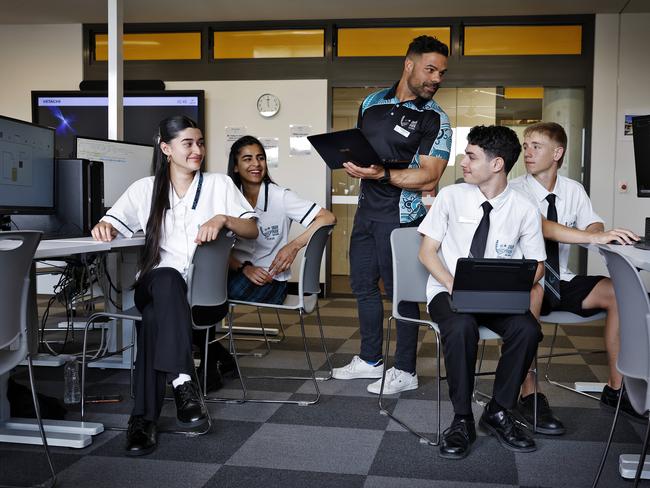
(257,275)
(210,230)
(103,231)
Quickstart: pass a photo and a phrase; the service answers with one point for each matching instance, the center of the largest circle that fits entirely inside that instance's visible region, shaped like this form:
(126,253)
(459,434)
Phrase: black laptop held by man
(351,145)
(493,285)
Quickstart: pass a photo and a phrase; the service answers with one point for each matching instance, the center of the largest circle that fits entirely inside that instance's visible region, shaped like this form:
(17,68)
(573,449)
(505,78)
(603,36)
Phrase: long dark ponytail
(168,129)
(234,154)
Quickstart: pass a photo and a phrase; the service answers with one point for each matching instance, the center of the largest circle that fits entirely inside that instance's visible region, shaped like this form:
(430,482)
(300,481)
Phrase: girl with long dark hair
(179,208)
(260,267)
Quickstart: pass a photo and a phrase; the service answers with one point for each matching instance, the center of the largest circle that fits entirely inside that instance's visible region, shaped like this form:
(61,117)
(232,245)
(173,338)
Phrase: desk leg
(61,433)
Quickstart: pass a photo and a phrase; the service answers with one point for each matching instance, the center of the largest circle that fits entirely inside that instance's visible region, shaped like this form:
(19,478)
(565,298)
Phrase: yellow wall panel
(523,40)
(153,46)
(293,43)
(528,92)
(384,41)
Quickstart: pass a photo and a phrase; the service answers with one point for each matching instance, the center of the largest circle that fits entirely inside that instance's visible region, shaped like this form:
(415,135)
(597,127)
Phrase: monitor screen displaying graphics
(641,136)
(77,113)
(124,163)
(26,168)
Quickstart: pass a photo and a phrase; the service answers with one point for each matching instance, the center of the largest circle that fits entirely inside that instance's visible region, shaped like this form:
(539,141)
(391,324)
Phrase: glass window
(522,40)
(289,43)
(153,46)
(384,41)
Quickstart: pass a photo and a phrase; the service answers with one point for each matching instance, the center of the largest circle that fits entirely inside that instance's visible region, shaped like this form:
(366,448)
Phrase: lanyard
(198,191)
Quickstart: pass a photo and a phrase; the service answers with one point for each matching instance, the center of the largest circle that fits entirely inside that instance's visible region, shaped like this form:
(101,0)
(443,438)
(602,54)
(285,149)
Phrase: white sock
(182,378)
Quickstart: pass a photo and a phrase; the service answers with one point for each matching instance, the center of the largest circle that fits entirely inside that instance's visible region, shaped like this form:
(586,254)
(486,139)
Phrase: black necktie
(552,264)
(477,249)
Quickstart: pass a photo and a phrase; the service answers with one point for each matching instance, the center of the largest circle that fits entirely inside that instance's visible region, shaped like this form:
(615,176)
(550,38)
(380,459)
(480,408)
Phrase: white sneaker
(358,369)
(396,381)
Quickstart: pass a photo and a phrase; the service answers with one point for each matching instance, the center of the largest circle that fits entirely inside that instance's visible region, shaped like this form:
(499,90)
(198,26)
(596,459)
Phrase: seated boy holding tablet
(482,217)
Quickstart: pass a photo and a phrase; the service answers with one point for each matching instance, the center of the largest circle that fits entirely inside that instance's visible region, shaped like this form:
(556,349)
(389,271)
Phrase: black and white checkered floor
(342,441)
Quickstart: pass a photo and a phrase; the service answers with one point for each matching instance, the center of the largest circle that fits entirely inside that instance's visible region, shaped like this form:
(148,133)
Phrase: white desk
(68,433)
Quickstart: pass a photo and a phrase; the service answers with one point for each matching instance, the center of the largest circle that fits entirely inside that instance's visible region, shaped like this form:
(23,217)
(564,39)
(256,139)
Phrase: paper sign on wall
(298,143)
(232,134)
(272,148)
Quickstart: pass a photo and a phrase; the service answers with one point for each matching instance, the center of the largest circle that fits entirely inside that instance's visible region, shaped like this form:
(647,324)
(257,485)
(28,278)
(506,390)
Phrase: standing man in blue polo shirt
(404,124)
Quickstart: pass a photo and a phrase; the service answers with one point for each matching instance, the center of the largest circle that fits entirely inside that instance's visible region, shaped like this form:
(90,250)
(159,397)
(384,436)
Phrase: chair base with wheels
(566,318)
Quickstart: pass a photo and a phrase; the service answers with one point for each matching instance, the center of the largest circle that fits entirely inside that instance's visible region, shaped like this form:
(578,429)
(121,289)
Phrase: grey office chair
(304,303)
(634,354)
(409,285)
(567,318)
(16,254)
(206,287)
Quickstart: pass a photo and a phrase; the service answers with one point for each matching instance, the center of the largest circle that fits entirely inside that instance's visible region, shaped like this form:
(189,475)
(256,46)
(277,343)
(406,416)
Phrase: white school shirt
(515,227)
(276,208)
(209,194)
(573,206)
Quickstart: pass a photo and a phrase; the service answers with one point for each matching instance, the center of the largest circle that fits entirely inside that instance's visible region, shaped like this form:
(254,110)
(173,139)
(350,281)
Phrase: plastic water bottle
(71,382)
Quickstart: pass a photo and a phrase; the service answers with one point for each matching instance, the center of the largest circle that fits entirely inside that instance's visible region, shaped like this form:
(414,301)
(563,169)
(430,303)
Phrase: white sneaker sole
(344,375)
(372,388)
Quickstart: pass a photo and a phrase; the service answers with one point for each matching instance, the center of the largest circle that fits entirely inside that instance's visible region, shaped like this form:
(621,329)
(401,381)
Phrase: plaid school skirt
(241,288)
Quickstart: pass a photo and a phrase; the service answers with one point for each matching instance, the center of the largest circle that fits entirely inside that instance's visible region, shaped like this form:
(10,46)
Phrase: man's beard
(421,92)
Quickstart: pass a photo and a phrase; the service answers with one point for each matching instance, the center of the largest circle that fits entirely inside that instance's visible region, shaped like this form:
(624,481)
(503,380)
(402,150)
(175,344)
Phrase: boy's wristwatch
(386,178)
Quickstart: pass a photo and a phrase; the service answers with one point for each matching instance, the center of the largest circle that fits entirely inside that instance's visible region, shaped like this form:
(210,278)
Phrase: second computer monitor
(124,163)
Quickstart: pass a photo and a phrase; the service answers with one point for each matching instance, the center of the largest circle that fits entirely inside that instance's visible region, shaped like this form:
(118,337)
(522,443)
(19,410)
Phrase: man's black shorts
(572,294)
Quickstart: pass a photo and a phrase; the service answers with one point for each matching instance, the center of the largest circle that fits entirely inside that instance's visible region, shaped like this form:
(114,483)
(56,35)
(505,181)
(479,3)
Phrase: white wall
(621,83)
(234,104)
(37,57)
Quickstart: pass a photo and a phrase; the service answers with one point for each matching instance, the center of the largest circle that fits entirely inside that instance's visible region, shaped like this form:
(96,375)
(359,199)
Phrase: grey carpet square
(245,477)
(335,411)
(401,455)
(225,438)
(308,448)
(109,472)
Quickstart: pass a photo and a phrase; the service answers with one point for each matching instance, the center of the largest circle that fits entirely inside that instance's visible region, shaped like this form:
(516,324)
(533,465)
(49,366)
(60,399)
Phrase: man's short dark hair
(496,141)
(427,44)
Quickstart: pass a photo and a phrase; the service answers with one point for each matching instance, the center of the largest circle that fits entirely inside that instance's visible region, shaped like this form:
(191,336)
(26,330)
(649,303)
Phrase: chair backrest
(309,282)
(634,318)
(409,275)
(207,281)
(16,254)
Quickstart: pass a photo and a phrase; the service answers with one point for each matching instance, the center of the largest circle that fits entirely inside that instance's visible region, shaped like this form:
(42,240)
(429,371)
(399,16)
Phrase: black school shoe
(189,409)
(609,398)
(502,426)
(457,440)
(141,436)
(547,422)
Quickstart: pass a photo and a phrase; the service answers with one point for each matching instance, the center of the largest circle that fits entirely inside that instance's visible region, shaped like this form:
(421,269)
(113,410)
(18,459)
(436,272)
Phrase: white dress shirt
(515,227)
(276,209)
(573,206)
(209,194)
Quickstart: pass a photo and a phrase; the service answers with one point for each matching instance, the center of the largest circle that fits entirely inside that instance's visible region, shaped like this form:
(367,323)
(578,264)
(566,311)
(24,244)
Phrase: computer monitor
(124,163)
(641,137)
(78,113)
(26,168)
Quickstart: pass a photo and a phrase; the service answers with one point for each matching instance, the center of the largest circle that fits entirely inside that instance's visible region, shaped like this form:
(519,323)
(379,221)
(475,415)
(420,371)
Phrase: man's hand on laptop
(620,236)
(373,172)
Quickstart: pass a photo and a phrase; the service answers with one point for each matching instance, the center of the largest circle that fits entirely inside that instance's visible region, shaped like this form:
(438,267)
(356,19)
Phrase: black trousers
(460,337)
(164,338)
